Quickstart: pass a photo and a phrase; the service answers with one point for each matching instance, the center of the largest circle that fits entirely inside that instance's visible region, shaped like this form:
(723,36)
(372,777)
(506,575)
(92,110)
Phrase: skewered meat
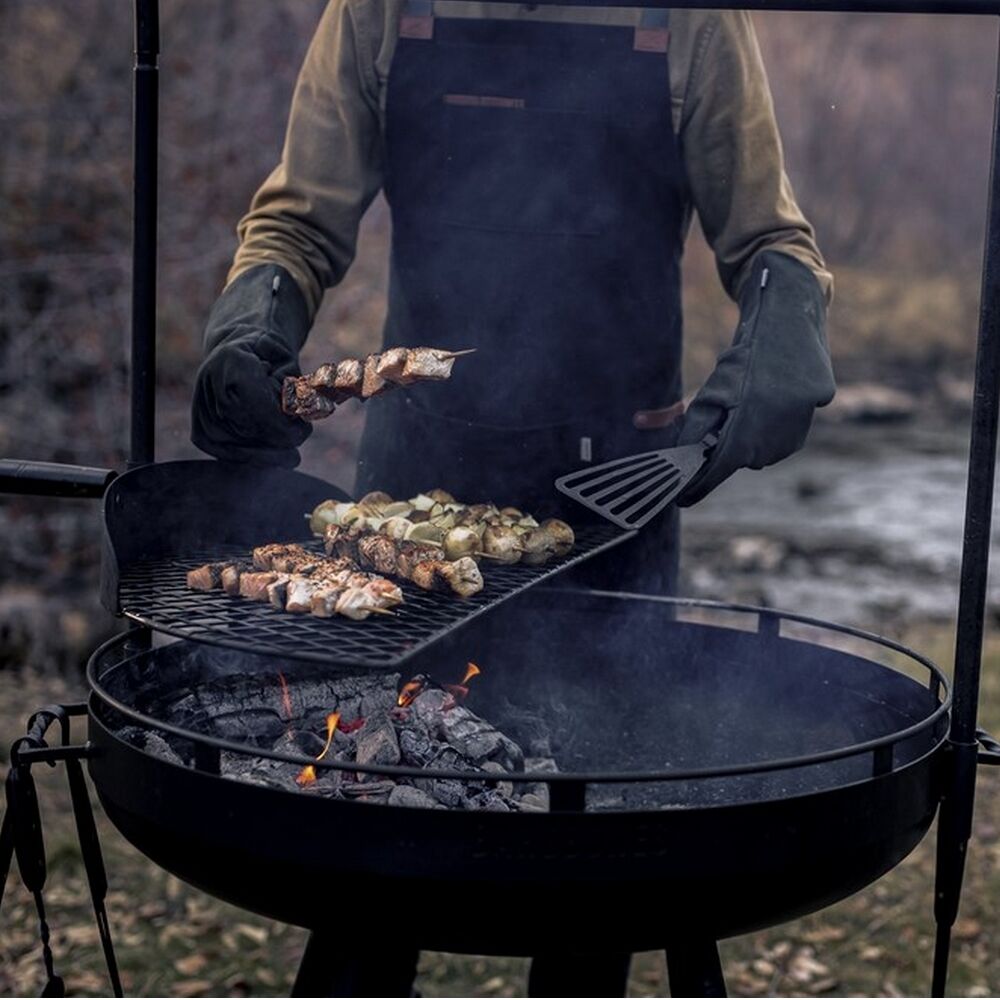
(230,577)
(462,577)
(293,579)
(418,562)
(207,577)
(317,394)
(253,586)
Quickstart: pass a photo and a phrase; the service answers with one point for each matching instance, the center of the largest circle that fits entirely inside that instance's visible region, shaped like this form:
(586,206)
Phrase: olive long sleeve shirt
(305,216)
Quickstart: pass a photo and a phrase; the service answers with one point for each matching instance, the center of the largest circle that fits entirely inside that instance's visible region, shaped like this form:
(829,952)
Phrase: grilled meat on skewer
(316,395)
(207,577)
(231,576)
(421,563)
(293,579)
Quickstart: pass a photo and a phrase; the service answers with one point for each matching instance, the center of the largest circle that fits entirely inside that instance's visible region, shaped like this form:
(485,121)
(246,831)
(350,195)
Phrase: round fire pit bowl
(724,768)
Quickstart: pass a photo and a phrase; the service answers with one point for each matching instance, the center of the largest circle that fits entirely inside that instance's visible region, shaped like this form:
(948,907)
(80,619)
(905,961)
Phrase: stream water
(864,526)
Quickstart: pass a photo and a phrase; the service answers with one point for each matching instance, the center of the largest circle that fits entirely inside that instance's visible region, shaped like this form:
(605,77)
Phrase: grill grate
(155,593)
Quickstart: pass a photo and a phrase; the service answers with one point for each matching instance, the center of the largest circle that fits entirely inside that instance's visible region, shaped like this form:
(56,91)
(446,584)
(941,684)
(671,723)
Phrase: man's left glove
(760,398)
(252,341)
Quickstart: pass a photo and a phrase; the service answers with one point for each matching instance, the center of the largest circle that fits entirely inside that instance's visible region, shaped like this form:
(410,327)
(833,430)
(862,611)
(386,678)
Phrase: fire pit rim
(938,683)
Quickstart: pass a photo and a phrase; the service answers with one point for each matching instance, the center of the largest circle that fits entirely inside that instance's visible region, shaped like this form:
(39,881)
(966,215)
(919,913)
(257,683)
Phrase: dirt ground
(174,940)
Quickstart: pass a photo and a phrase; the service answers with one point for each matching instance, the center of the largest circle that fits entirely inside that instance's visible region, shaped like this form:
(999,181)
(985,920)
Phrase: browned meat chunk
(207,577)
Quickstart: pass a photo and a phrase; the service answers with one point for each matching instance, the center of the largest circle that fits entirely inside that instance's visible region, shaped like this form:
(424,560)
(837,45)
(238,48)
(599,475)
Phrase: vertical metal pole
(144,133)
(955,823)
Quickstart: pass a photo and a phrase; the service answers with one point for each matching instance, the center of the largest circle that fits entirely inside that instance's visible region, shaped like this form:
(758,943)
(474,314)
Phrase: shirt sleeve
(305,216)
(733,155)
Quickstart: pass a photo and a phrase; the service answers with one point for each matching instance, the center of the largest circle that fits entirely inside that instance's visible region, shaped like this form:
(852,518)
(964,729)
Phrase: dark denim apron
(537,195)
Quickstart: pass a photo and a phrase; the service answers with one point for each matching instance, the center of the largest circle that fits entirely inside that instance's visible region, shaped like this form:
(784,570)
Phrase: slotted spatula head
(632,491)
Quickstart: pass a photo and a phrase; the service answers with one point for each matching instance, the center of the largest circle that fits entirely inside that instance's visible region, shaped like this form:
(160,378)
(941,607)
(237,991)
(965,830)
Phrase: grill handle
(53,479)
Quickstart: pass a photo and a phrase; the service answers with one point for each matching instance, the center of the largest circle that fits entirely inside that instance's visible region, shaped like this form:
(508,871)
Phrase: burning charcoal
(378,701)
(449,793)
(546,765)
(505,788)
(488,800)
(412,798)
(370,791)
(159,747)
(534,801)
(257,770)
(471,736)
(377,743)
(415,746)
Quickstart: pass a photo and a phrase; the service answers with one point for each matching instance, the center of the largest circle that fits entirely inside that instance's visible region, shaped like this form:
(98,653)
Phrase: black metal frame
(571,785)
(967,744)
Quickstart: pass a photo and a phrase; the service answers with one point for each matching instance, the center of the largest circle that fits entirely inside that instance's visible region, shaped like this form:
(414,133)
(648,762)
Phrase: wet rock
(871,403)
(756,554)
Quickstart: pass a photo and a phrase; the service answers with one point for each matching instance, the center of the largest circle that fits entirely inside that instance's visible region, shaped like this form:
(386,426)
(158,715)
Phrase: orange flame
(459,692)
(286,698)
(409,691)
(308,774)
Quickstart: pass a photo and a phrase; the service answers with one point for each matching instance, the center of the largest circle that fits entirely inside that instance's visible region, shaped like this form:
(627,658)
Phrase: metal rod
(52,479)
(955,824)
(144,134)
(846,6)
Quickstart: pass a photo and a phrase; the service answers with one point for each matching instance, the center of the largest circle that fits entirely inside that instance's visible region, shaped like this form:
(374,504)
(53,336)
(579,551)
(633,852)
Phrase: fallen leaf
(966,929)
(871,953)
(191,987)
(256,934)
(821,935)
(191,965)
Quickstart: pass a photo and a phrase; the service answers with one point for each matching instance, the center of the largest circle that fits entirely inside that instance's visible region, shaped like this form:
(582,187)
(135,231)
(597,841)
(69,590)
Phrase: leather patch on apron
(416,27)
(477,101)
(651,40)
(652,33)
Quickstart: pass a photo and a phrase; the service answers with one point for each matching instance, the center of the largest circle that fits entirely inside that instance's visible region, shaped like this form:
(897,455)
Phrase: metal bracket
(989,752)
(21,829)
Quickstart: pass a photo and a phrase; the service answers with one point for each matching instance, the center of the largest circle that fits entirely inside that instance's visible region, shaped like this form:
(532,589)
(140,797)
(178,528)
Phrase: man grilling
(542,164)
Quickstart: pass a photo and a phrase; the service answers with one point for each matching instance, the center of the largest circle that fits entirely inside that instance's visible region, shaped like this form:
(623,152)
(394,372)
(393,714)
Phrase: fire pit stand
(884,783)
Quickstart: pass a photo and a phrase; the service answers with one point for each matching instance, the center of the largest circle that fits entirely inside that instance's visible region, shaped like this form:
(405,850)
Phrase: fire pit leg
(579,974)
(333,966)
(694,969)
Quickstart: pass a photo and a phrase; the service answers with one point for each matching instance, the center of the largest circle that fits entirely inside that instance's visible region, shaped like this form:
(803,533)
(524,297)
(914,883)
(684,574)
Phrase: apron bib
(537,195)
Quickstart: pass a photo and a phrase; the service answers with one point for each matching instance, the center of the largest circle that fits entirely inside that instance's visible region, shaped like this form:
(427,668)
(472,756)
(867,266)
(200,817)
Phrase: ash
(434,732)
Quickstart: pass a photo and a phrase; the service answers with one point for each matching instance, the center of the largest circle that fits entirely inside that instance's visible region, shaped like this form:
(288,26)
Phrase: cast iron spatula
(631,491)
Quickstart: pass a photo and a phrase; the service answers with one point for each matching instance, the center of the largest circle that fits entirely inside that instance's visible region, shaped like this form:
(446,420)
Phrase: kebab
(318,394)
(481,530)
(295,580)
(418,562)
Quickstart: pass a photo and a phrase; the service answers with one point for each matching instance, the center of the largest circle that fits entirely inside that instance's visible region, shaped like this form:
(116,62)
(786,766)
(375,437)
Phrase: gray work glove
(760,398)
(252,341)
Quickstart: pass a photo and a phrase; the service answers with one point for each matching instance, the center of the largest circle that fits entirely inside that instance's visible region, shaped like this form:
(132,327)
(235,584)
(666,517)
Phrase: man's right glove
(760,398)
(252,341)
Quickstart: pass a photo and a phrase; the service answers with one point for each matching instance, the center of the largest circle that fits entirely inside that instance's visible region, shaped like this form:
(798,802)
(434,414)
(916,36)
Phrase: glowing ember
(471,670)
(308,774)
(286,698)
